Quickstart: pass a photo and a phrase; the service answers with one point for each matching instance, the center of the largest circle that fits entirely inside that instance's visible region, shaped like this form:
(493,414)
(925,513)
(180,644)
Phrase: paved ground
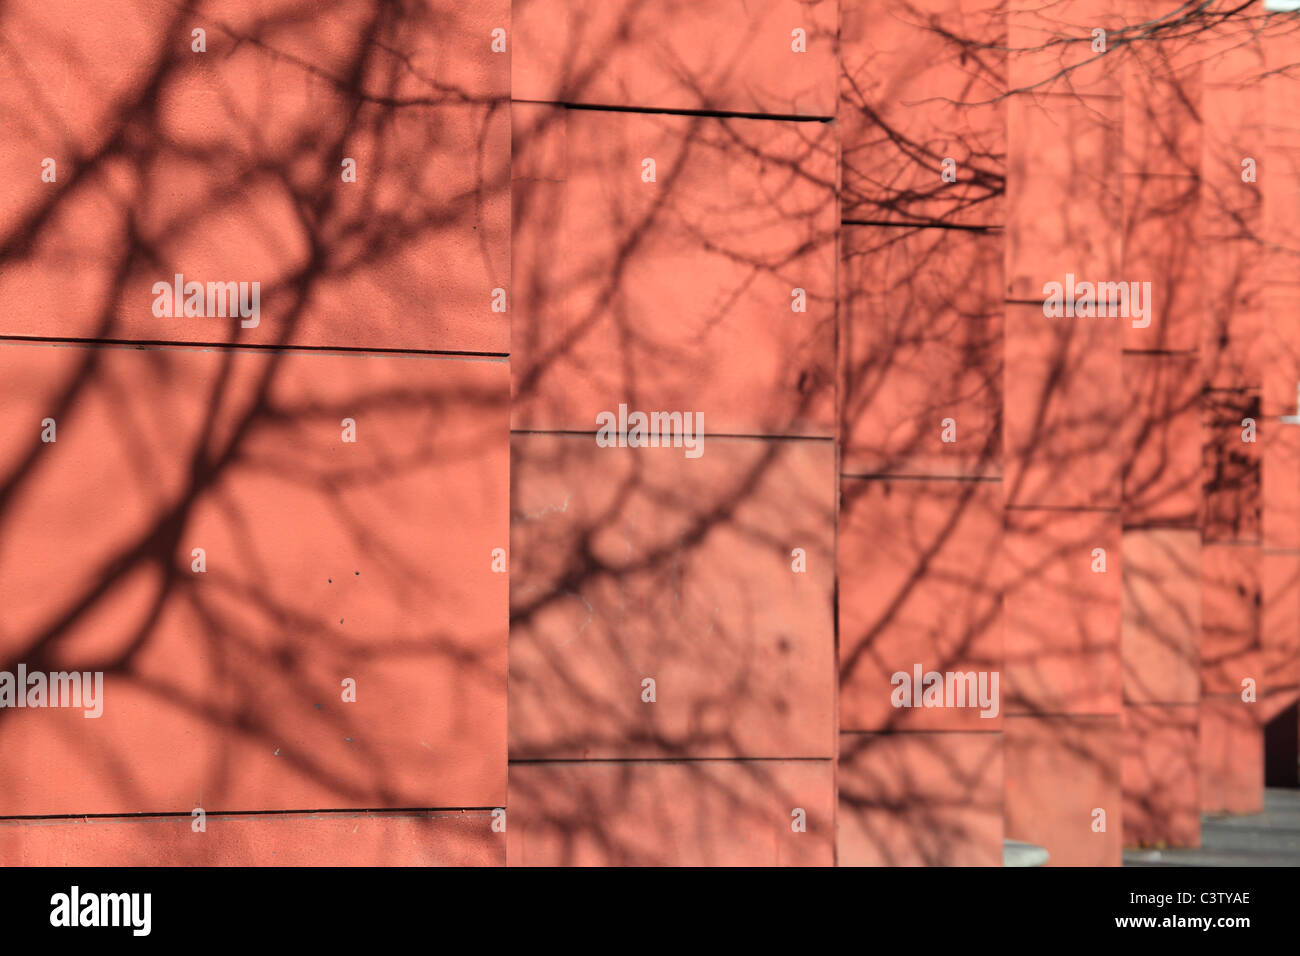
(1271,838)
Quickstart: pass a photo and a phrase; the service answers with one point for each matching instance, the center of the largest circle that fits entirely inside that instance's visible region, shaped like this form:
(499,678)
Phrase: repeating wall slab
(1230,58)
(730,55)
(1231,286)
(1231,756)
(711,288)
(1280,630)
(920,348)
(1280,484)
(641,564)
(1281,208)
(323,561)
(1231,579)
(1231,204)
(1162,263)
(1231,466)
(1064,192)
(435,838)
(127,53)
(1062,408)
(1060,772)
(1280,345)
(918,587)
(1052,48)
(659,813)
(1160,776)
(227,166)
(1162,615)
(911,97)
(1061,577)
(1162,88)
(1162,470)
(920,799)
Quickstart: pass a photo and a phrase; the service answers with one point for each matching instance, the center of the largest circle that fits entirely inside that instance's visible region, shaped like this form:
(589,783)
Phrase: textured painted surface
(1231,756)
(1063,192)
(1162,445)
(1280,540)
(1062,406)
(226,166)
(1280,625)
(1230,467)
(634,564)
(1162,615)
(685,263)
(913,97)
(678,293)
(458,838)
(1230,616)
(1062,612)
(920,799)
(325,560)
(728,55)
(1060,771)
(915,589)
(1235,345)
(1161,790)
(671,813)
(921,354)
(920,342)
(1122,676)
(1161,487)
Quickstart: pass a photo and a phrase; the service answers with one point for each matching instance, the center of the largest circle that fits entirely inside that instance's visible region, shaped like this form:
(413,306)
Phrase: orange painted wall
(325,560)
(905,461)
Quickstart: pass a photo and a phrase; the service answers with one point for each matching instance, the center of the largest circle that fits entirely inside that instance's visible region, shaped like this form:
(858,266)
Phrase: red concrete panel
(1281,47)
(1280,480)
(323,560)
(1063,408)
(654,813)
(1052,47)
(1281,623)
(1282,213)
(62,83)
(1162,616)
(1064,193)
(912,94)
(689,280)
(1160,248)
(1162,440)
(1231,581)
(93,74)
(1282,156)
(226,166)
(1229,231)
(1231,206)
(436,838)
(1231,467)
(920,342)
(640,563)
(1161,79)
(1280,348)
(1062,633)
(1232,314)
(918,587)
(677,54)
(1233,52)
(1059,772)
(1231,756)
(927,799)
(1160,776)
